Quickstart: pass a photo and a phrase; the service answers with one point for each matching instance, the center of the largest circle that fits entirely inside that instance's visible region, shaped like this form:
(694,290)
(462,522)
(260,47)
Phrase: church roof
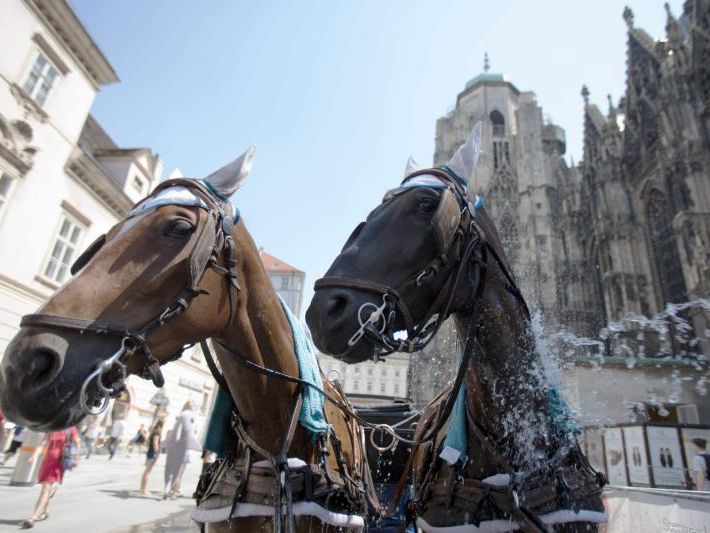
(596,116)
(273,264)
(483,77)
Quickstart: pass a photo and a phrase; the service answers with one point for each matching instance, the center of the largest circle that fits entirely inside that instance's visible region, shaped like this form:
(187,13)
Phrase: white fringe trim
(500,526)
(245,510)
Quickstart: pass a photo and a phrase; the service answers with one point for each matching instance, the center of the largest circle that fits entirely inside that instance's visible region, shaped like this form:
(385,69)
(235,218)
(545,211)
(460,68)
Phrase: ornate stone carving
(15,147)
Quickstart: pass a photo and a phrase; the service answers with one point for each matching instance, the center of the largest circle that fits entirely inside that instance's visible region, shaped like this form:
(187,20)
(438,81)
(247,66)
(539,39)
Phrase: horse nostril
(336,306)
(42,367)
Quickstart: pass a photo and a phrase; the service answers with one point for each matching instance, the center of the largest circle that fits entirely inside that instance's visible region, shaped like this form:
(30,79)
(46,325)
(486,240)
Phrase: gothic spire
(629,17)
(672,28)
(585,94)
(486,63)
(612,110)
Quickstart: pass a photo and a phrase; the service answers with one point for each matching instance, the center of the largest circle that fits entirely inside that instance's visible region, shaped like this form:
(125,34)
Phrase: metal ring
(386,428)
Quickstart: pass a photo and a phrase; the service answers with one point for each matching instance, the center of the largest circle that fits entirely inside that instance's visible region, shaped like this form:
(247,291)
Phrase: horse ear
(410,167)
(464,160)
(230,177)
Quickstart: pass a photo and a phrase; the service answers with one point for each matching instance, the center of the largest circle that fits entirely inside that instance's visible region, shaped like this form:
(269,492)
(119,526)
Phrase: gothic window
(498,122)
(663,247)
(509,235)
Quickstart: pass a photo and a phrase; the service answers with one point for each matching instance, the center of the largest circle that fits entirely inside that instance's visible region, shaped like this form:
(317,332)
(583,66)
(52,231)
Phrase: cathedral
(626,231)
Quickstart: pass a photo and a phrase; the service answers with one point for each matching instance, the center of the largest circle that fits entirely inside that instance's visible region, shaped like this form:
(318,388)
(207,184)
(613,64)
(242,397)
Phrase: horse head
(161,279)
(397,276)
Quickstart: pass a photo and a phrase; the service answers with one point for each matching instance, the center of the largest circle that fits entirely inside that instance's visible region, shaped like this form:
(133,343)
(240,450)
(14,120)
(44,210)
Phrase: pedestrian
(18,436)
(138,440)
(115,439)
(89,436)
(182,440)
(701,464)
(62,453)
(151,456)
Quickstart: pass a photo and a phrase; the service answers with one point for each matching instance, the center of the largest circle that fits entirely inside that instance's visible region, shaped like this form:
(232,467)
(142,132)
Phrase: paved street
(100,496)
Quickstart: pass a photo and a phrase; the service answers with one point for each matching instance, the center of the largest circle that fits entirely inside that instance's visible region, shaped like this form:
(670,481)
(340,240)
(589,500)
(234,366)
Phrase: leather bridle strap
(214,237)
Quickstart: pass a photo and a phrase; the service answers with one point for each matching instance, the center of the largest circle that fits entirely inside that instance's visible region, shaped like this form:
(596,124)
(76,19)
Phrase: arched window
(498,122)
(664,249)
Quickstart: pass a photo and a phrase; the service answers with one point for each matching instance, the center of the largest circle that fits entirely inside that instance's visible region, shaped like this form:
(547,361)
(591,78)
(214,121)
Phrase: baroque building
(64,181)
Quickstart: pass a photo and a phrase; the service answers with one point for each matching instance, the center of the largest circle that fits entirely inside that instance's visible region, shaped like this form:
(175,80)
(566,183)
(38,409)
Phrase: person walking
(18,436)
(91,433)
(701,464)
(115,439)
(62,453)
(151,456)
(178,446)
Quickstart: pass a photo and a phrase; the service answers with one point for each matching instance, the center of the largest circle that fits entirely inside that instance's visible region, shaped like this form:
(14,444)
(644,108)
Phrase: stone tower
(519,174)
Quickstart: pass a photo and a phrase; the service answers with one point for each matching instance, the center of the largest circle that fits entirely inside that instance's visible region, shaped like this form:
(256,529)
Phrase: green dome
(483,77)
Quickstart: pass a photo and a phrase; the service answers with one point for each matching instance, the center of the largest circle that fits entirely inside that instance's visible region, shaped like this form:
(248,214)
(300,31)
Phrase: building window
(382,387)
(357,369)
(40,79)
(64,249)
(369,371)
(396,373)
(396,388)
(369,386)
(383,372)
(498,122)
(138,185)
(665,252)
(6,183)
(356,386)
(284,283)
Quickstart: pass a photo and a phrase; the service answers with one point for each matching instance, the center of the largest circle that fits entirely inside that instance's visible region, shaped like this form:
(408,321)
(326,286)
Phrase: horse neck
(261,334)
(507,389)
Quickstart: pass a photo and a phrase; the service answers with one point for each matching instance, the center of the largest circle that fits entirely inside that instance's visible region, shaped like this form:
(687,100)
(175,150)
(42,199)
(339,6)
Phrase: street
(101,496)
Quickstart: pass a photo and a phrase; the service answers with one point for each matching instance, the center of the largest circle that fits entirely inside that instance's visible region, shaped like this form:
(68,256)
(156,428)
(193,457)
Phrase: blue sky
(337,94)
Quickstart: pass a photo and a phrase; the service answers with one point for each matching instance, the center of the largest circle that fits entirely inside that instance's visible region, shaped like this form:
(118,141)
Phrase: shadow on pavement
(178,522)
(132,494)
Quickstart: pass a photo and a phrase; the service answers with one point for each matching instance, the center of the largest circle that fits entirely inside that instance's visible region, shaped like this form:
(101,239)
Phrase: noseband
(215,237)
(458,236)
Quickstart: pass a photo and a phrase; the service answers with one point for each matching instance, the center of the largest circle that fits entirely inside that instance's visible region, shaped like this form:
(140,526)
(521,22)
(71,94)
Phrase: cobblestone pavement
(100,496)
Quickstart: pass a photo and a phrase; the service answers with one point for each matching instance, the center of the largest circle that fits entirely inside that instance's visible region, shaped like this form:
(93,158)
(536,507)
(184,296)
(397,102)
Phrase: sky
(337,95)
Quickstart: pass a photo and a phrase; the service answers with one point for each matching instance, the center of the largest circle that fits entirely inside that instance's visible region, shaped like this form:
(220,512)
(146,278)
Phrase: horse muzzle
(37,389)
(332,319)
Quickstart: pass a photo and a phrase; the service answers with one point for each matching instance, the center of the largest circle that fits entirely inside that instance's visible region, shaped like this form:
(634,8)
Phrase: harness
(275,483)
(461,242)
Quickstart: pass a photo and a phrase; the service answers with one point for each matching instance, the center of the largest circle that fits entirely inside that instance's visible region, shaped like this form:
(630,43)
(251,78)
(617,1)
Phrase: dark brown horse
(180,268)
(430,251)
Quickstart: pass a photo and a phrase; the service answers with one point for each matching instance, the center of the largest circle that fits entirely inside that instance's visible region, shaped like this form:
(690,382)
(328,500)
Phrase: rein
(214,238)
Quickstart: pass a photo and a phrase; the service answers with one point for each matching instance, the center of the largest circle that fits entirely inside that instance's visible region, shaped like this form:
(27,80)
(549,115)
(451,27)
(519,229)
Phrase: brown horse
(180,268)
(430,251)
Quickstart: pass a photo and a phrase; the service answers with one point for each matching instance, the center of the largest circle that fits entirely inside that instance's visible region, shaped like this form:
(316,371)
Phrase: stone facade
(625,232)
(645,178)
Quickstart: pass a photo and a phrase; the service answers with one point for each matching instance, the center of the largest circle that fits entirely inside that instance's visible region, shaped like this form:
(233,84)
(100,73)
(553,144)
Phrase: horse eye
(427,206)
(179,228)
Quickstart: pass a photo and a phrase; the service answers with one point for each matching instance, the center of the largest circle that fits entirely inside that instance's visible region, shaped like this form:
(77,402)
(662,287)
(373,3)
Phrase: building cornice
(59,18)
(86,171)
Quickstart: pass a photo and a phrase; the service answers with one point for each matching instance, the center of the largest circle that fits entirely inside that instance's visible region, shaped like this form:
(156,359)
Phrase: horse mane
(486,223)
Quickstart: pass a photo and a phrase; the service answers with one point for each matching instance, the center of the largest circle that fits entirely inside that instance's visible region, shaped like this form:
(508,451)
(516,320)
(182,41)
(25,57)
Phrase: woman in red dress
(51,471)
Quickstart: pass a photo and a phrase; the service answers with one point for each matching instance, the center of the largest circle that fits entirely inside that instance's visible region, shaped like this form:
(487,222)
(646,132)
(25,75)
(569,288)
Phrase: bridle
(213,240)
(458,237)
